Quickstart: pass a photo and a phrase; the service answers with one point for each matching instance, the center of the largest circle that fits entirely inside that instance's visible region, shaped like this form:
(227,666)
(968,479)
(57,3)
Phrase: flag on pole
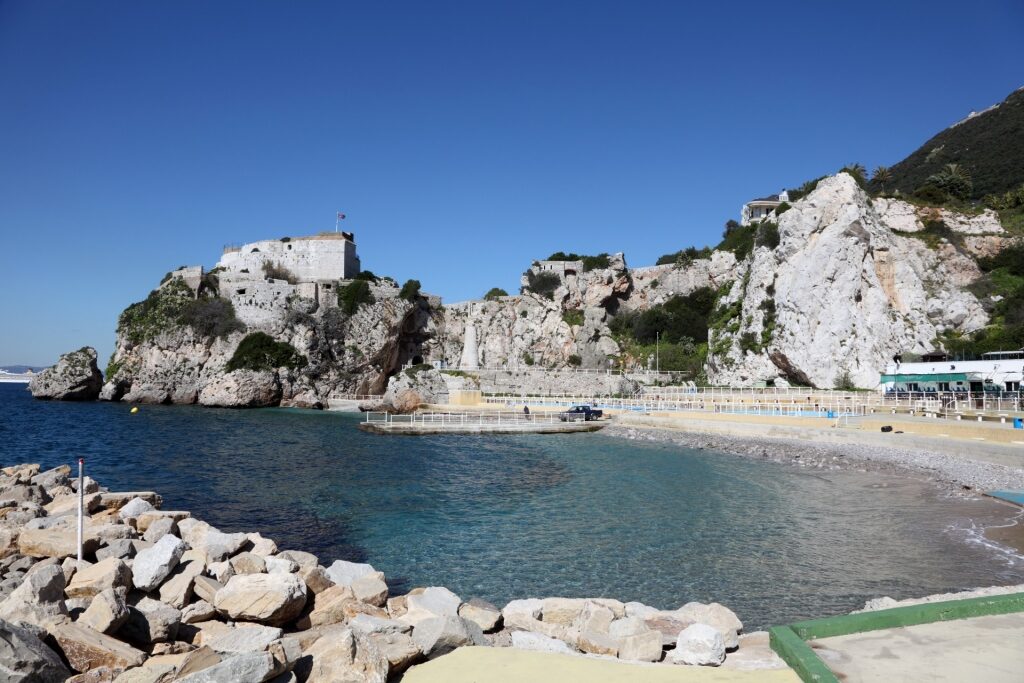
(341,216)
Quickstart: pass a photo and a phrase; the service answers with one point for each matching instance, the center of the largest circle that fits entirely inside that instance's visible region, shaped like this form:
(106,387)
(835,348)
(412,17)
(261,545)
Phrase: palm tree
(858,169)
(881,177)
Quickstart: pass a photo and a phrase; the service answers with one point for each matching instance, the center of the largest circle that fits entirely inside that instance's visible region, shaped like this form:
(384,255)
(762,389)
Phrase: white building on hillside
(327,256)
(757,210)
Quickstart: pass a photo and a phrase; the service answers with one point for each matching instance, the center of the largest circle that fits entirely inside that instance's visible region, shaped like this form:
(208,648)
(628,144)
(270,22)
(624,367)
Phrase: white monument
(469,353)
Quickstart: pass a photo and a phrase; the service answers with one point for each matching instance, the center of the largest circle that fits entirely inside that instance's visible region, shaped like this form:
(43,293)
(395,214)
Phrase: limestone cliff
(841,284)
(850,283)
(182,344)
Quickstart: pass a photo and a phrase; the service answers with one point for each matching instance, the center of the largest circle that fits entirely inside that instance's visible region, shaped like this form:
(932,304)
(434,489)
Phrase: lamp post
(657,351)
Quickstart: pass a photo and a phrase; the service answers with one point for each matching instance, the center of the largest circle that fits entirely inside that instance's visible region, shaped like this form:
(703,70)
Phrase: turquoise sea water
(501,517)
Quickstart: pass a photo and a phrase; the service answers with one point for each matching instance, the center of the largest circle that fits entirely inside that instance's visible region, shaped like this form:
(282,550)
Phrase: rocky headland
(836,285)
(163,596)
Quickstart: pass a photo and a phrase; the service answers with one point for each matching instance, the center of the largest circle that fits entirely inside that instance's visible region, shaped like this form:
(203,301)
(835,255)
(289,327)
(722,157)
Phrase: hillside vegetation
(989,146)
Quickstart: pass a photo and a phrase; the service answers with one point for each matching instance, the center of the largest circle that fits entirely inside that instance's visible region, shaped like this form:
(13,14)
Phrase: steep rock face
(345,353)
(535,329)
(657,284)
(75,377)
(842,293)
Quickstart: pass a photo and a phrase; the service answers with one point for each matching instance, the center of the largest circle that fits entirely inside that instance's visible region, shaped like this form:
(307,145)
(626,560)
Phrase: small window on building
(943,386)
(1013,386)
(289,247)
(327,286)
(240,291)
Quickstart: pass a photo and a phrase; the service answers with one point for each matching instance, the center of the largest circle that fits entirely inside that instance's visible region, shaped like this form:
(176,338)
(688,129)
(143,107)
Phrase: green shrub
(685,257)
(410,290)
(574,360)
(768,235)
(366,275)
(528,358)
(655,283)
(681,317)
(739,240)
(354,295)
(858,173)
(782,208)
(259,351)
(211,317)
(157,313)
(1011,258)
(493,293)
(573,318)
(749,342)
(844,381)
(805,189)
(275,271)
(542,284)
(931,194)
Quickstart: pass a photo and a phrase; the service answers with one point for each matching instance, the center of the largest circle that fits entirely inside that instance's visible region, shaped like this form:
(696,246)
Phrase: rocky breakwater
(75,377)
(163,596)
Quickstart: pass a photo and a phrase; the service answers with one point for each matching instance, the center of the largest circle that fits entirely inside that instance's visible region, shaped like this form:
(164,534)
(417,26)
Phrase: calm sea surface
(532,516)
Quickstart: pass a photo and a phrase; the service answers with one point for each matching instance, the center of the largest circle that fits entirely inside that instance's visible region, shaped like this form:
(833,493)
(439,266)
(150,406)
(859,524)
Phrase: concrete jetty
(474,423)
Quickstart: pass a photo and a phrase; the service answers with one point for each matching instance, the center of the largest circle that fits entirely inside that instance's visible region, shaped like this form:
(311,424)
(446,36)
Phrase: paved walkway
(506,665)
(989,649)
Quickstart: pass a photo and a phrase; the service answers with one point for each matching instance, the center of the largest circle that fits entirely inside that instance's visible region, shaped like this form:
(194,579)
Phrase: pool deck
(506,665)
(988,648)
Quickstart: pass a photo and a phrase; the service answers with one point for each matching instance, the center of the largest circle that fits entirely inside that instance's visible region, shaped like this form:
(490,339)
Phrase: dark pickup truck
(580,414)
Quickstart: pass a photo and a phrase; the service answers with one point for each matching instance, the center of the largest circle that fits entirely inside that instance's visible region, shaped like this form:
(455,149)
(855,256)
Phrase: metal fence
(464,419)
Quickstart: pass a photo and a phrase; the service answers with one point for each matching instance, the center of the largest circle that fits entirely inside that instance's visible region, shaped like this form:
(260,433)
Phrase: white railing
(696,404)
(790,410)
(356,397)
(670,375)
(511,418)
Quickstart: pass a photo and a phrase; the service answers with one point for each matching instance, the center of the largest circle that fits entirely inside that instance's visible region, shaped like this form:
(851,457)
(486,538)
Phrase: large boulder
(440,635)
(151,566)
(699,644)
(94,579)
(87,649)
(151,621)
(342,655)
(107,612)
(24,658)
(38,600)
(75,377)
(242,389)
(268,598)
(414,386)
(435,601)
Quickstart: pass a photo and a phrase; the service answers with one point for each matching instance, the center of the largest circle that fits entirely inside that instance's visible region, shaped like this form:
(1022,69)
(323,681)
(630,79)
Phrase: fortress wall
(308,259)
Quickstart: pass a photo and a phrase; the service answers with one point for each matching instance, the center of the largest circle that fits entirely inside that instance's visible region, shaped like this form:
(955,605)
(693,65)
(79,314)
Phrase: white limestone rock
(699,644)
(527,640)
(75,377)
(433,602)
(437,636)
(152,565)
(343,573)
(272,599)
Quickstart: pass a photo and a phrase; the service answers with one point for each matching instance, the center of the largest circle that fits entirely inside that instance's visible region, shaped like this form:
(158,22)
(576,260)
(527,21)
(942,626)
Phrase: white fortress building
(260,277)
(327,256)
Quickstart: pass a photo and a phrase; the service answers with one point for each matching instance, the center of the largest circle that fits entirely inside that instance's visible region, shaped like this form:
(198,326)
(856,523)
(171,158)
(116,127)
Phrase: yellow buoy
(134,410)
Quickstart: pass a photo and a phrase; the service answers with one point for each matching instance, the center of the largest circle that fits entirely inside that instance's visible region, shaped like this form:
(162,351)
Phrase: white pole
(81,508)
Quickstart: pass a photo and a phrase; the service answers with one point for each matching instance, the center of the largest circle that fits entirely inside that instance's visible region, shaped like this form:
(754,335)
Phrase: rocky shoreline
(954,474)
(162,596)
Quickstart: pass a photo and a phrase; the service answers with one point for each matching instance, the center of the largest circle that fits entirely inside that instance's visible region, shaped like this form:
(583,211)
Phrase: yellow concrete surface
(989,649)
(507,665)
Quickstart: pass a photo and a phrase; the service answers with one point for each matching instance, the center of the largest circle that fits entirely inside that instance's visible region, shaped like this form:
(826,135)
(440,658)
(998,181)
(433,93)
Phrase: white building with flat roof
(327,256)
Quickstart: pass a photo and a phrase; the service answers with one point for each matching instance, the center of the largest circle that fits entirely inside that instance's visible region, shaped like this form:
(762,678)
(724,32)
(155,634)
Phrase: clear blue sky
(463,139)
